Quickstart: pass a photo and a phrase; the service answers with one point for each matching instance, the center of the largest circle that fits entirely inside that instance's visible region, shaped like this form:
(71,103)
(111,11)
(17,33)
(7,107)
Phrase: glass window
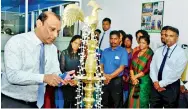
(22,23)
(44,10)
(14,20)
(56,10)
(36,14)
(68,31)
(29,22)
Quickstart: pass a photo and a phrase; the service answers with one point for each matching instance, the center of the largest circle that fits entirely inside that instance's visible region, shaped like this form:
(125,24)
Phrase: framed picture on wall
(152,16)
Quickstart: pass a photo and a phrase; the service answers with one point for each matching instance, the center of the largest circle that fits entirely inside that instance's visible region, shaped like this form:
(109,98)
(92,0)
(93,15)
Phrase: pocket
(117,62)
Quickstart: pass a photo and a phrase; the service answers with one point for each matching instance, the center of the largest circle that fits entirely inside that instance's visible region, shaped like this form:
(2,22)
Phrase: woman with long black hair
(69,60)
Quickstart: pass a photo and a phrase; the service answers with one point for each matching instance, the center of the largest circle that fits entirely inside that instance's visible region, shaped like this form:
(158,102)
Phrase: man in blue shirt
(113,62)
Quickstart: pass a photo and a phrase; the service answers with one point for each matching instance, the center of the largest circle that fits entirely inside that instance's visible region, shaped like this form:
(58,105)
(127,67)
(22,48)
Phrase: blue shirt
(113,59)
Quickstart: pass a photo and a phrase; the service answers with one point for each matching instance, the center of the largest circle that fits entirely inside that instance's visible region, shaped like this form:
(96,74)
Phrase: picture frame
(152,16)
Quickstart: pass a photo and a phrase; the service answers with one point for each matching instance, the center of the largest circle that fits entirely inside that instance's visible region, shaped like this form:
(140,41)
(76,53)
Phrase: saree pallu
(140,93)
(135,50)
(143,99)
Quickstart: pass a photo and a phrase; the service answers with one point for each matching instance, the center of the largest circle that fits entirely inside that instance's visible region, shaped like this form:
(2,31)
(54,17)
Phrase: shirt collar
(117,48)
(172,47)
(108,31)
(170,50)
(36,40)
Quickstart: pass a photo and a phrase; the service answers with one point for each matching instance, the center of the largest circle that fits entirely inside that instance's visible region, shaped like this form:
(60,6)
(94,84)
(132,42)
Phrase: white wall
(126,15)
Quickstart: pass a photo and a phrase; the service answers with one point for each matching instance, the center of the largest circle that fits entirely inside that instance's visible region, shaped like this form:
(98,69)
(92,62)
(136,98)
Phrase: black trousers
(8,102)
(113,94)
(183,100)
(69,94)
(168,98)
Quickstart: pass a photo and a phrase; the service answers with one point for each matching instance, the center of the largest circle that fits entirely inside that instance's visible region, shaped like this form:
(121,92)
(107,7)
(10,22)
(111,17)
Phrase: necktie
(162,65)
(40,97)
(101,40)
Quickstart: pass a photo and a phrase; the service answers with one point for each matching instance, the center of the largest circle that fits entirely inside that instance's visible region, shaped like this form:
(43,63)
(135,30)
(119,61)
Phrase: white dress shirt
(106,40)
(174,66)
(22,76)
(186,72)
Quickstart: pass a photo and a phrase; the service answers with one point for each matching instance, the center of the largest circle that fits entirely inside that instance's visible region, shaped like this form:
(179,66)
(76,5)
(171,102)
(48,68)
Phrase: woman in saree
(138,34)
(140,86)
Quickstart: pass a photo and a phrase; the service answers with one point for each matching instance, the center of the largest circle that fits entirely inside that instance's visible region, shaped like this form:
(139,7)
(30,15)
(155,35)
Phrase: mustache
(113,43)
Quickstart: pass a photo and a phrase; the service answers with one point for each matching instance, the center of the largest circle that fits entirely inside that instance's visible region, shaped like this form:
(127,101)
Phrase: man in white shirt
(104,41)
(166,68)
(183,100)
(31,62)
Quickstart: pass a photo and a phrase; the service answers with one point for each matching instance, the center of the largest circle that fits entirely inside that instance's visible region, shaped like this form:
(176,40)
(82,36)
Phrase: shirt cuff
(39,78)
(186,85)
(154,80)
(181,83)
(162,84)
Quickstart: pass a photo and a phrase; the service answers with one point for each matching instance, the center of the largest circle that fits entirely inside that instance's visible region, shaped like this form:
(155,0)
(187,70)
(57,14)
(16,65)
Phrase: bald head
(44,16)
(48,26)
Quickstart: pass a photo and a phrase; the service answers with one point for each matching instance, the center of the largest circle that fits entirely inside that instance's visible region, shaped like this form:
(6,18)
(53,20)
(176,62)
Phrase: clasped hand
(157,87)
(134,80)
(108,78)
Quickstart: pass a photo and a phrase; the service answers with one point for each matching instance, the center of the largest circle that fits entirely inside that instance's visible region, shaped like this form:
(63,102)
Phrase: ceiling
(19,5)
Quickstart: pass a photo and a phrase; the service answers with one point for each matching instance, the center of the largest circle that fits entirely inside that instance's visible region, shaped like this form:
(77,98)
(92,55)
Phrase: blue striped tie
(40,97)
(162,65)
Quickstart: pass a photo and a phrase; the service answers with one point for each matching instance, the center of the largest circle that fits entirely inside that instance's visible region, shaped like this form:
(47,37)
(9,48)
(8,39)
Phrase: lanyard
(170,53)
